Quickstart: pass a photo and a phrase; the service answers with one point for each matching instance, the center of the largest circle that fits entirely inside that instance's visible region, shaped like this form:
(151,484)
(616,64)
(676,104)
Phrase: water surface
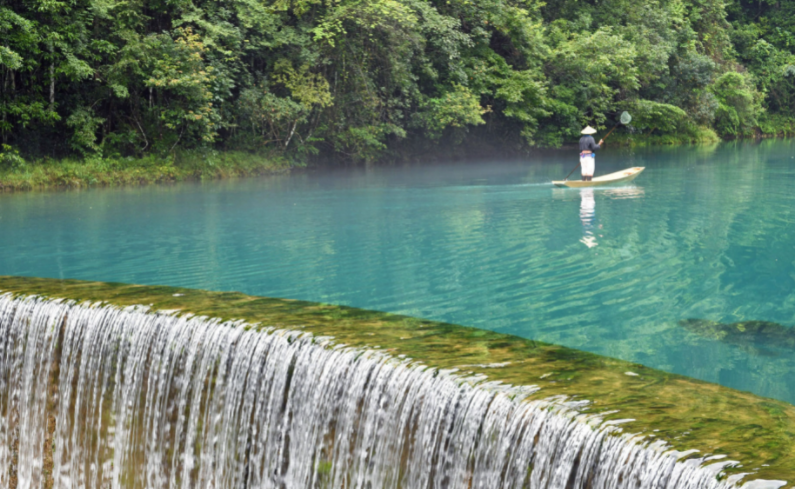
(704,232)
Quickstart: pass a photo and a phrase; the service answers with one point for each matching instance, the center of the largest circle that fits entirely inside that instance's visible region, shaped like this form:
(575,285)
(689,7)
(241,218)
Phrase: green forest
(364,80)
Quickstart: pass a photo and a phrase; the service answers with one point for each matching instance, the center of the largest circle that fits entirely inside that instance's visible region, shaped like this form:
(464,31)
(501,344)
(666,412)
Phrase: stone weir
(112,385)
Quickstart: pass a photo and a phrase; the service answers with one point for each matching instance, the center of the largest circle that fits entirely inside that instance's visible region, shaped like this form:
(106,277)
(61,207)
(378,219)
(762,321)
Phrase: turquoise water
(705,232)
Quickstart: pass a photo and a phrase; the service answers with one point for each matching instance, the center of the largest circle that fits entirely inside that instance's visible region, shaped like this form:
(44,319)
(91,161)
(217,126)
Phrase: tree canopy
(363,79)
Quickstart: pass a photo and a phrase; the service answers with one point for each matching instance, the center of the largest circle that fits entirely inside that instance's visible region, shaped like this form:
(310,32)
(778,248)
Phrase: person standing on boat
(587,157)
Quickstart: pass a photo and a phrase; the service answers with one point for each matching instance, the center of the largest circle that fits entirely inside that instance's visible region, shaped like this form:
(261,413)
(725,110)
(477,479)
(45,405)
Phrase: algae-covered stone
(684,412)
(755,336)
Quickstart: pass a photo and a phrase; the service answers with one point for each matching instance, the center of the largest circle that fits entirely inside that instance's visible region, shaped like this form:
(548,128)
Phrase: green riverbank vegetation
(99,171)
(126,84)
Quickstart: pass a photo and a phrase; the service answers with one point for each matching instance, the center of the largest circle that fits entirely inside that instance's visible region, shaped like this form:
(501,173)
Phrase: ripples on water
(705,232)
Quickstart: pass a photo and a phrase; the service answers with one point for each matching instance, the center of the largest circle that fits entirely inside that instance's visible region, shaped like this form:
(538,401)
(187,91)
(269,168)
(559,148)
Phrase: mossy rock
(687,413)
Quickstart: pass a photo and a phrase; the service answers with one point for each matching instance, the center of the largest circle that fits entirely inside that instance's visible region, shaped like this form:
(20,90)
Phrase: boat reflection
(590,225)
(617,193)
(624,192)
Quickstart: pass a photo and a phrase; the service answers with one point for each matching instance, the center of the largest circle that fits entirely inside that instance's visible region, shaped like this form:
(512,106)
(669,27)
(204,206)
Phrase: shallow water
(704,232)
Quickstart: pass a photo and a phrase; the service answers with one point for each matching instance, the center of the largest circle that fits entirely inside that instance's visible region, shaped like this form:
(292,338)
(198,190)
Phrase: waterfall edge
(686,413)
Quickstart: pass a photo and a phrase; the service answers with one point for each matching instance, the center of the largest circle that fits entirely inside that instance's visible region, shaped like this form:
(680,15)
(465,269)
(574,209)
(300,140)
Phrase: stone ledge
(685,413)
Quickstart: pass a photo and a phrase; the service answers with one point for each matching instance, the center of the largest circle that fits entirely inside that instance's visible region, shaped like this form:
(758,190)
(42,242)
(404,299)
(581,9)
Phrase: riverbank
(769,127)
(74,173)
(700,135)
(110,172)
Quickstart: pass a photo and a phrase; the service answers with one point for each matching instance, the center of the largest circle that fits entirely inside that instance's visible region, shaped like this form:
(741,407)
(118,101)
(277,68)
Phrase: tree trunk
(291,135)
(52,78)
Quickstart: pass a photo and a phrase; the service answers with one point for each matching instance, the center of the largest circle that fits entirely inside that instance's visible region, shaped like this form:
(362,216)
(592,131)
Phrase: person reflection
(587,215)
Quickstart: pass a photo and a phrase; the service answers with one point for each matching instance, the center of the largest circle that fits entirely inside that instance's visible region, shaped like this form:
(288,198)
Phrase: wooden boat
(622,176)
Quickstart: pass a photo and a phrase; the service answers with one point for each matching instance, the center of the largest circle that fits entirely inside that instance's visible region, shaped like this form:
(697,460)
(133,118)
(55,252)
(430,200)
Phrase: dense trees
(366,78)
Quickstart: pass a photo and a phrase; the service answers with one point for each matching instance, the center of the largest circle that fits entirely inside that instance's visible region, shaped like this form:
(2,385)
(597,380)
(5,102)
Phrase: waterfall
(94,396)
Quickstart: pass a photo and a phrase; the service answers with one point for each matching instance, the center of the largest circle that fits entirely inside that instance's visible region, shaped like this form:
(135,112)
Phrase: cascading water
(97,396)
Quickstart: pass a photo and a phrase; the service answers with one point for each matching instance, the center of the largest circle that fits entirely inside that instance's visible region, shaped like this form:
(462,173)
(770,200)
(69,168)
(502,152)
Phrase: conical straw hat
(589,130)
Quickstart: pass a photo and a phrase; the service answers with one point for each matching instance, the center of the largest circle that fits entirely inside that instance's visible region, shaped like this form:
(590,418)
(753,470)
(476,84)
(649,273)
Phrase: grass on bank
(698,135)
(769,126)
(18,174)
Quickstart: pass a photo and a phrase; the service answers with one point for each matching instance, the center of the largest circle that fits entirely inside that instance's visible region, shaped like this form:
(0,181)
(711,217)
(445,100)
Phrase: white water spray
(133,399)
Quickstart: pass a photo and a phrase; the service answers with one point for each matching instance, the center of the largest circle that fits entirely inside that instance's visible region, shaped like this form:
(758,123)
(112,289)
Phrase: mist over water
(704,232)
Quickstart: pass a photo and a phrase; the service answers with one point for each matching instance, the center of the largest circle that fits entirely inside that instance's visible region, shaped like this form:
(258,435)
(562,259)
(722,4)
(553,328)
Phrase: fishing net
(626,118)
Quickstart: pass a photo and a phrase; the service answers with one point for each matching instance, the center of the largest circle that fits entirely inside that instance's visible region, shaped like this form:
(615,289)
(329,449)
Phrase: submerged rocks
(757,335)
